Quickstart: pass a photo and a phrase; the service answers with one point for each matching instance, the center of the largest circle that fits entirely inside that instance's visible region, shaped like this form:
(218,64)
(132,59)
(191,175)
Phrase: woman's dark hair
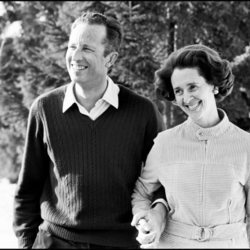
(210,65)
(114,30)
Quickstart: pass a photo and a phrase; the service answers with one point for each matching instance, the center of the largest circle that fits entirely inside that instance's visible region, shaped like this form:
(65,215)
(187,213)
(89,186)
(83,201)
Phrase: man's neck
(88,97)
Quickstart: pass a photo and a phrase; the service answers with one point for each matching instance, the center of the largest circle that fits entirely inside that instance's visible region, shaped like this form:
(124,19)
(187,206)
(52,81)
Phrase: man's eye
(72,46)
(88,49)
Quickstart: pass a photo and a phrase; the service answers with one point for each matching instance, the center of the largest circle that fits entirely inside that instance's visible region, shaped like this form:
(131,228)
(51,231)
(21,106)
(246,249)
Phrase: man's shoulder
(140,106)
(127,94)
(53,94)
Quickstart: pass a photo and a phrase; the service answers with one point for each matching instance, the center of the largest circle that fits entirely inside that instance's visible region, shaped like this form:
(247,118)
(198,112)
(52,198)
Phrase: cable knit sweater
(78,174)
(205,173)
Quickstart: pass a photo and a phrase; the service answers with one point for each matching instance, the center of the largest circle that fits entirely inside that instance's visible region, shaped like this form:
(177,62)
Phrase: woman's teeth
(193,107)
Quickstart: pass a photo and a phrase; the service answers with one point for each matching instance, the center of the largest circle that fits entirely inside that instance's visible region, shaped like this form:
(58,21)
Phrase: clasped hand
(150,225)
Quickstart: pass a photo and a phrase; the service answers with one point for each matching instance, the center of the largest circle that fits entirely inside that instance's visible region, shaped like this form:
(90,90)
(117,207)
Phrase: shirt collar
(69,98)
(207,133)
(110,95)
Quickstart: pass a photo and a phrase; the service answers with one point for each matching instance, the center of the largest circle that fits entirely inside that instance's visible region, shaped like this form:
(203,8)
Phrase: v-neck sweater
(78,174)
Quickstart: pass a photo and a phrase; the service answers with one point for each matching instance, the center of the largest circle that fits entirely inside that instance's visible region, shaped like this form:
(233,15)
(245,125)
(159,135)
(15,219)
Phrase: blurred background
(33,43)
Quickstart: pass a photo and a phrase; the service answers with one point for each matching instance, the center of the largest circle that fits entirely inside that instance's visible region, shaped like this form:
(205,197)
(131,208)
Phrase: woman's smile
(193,105)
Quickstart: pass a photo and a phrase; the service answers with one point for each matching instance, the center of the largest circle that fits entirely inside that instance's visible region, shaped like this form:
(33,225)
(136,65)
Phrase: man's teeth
(79,67)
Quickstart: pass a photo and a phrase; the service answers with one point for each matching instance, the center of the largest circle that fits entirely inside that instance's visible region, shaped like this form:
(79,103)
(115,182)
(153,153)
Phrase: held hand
(150,225)
(140,222)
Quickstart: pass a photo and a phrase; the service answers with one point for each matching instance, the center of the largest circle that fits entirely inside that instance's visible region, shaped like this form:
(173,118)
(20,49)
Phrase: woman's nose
(187,97)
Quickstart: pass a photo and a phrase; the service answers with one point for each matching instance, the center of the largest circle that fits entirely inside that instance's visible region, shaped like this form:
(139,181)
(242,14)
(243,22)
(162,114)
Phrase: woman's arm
(149,219)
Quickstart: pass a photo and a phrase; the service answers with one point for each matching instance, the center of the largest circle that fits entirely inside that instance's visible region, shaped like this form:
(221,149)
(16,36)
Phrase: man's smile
(78,66)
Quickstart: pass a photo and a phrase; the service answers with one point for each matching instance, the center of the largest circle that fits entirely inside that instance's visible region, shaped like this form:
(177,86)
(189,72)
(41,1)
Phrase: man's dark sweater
(78,174)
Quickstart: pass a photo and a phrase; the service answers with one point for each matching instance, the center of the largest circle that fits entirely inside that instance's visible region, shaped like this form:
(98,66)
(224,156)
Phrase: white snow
(7,237)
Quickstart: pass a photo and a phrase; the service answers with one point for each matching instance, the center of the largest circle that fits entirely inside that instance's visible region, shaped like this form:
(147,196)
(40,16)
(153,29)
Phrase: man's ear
(112,56)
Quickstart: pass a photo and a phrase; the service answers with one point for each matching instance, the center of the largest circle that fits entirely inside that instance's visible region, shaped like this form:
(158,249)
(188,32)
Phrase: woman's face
(195,96)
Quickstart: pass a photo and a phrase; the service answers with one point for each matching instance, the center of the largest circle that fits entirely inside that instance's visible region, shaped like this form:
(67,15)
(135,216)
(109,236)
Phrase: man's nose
(77,55)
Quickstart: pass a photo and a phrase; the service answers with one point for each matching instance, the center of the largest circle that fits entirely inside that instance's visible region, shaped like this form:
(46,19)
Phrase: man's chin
(78,79)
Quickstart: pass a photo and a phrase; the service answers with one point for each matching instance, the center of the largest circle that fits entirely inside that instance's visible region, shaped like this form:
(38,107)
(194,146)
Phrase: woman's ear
(216,90)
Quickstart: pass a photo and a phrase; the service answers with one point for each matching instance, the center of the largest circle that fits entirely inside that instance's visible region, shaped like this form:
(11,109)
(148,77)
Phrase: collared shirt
(110,97)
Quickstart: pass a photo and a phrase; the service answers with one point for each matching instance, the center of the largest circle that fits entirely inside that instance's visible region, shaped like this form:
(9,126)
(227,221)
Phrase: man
(85,145)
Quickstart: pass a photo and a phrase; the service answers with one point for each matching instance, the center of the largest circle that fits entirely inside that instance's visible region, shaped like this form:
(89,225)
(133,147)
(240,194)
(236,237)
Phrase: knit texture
(80,172)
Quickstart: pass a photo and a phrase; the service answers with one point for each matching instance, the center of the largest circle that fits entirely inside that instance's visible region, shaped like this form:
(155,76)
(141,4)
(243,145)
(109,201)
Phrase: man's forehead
(88,31)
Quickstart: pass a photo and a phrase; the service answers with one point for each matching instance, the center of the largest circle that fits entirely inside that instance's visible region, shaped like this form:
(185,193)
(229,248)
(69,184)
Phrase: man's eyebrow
(87,46)
(83,45)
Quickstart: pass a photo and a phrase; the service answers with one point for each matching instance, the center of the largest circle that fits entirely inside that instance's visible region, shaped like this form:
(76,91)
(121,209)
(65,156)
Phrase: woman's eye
(193,87)
(177,92)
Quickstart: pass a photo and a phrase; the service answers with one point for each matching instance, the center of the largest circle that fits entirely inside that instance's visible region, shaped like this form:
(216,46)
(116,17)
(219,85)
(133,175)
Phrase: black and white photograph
(125,124)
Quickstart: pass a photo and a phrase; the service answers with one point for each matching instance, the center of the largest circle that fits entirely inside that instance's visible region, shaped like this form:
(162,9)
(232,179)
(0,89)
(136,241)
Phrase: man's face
(85,55)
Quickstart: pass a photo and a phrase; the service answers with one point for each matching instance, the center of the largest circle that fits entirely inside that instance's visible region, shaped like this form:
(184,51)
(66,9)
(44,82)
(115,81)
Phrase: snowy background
(7,237)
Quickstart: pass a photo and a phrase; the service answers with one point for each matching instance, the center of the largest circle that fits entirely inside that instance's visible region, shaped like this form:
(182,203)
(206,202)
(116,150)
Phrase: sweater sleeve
(148,182)
(31,180)
(154,126)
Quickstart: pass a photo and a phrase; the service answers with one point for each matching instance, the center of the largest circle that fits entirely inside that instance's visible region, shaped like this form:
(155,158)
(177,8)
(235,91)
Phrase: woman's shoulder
(172,132)
(240,131)
(240,134)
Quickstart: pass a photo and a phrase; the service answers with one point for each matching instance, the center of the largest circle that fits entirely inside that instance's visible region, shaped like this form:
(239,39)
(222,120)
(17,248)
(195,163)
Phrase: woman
(203,163)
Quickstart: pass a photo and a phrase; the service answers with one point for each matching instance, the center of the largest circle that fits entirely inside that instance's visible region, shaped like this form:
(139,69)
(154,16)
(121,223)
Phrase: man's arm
(31,180)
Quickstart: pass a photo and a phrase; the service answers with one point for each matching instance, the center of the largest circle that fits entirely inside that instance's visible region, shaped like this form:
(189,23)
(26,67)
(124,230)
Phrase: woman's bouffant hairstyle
(210,65)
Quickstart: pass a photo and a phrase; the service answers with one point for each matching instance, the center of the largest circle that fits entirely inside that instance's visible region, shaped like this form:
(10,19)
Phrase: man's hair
(207,61)
(114,31)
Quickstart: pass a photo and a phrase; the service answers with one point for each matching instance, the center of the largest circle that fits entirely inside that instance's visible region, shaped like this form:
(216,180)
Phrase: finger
(145,238)
(137,217)
(142,230)
(144,226)
(149,237)
(150,245)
